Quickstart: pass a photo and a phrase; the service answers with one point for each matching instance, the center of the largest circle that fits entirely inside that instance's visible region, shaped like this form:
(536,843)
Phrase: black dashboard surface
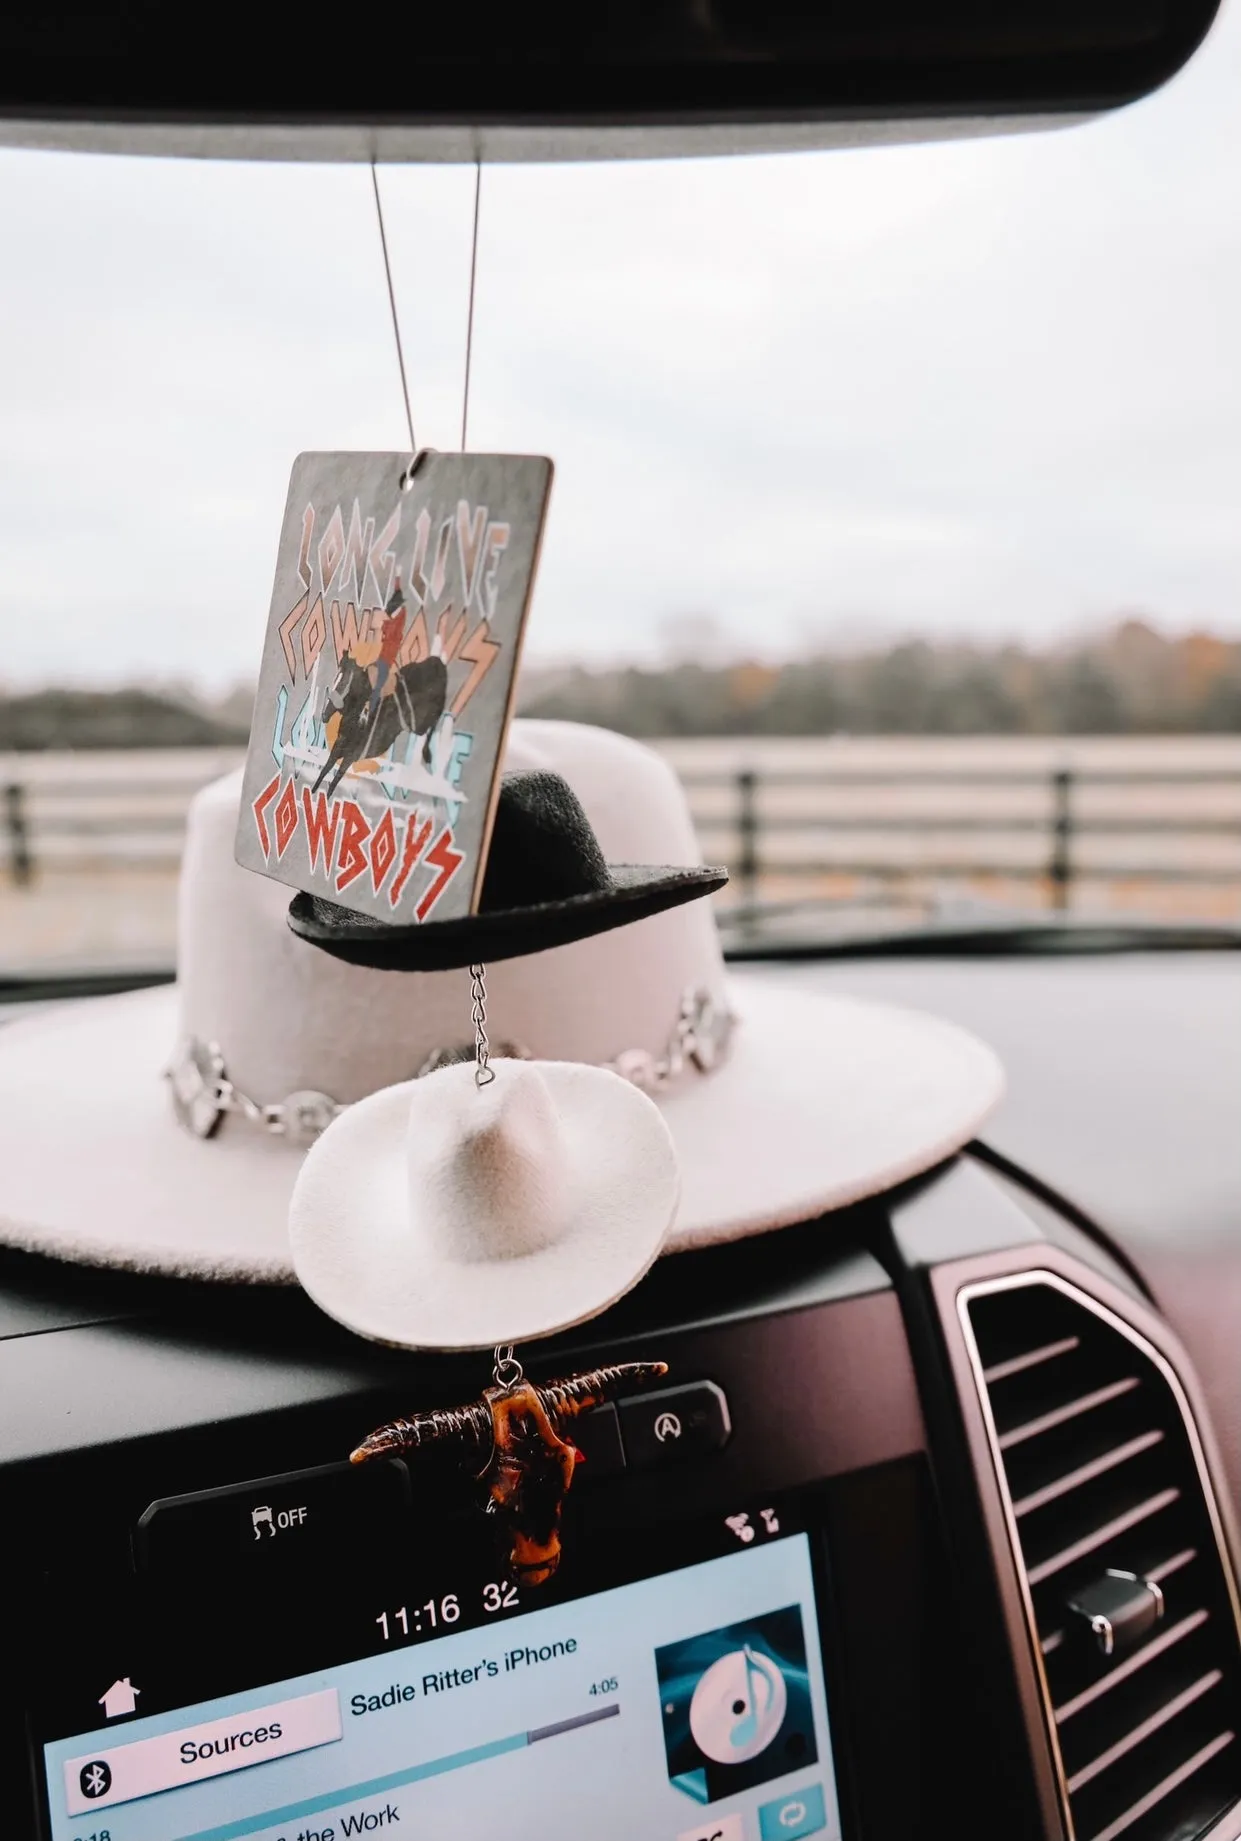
(1124,1078)
(1124,1096)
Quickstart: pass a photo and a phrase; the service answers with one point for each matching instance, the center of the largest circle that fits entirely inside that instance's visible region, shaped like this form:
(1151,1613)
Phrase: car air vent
(1129,1589)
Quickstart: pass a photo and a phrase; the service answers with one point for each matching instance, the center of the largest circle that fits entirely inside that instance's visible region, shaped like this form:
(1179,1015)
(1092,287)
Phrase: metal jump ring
(411,471)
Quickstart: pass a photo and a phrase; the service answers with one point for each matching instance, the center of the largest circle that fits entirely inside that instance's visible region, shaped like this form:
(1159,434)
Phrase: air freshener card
(387,677)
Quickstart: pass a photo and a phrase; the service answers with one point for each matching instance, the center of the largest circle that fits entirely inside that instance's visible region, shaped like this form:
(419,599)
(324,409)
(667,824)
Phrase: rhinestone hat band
(203,1095)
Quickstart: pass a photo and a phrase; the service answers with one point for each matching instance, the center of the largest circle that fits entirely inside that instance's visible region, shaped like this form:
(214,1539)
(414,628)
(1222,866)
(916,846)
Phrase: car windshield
(896,503)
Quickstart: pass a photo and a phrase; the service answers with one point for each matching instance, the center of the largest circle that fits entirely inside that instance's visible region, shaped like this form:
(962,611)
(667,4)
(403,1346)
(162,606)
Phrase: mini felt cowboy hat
(546,883)
(267,1039)
(441,1214)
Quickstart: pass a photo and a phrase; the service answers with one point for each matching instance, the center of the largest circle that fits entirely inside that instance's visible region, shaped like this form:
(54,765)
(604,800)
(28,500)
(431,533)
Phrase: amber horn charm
(527,1465)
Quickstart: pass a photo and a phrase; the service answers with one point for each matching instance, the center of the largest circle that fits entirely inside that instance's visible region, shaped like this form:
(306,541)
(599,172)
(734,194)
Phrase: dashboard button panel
(674,1424)
(597,1436)
(276,1521)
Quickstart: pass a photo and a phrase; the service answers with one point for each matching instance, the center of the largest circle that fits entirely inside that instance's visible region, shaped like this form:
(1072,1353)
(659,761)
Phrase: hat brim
(363,1246)
(637,891)
(822,1101)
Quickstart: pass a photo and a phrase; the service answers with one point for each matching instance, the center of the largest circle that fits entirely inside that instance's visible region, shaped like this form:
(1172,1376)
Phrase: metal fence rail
(99,811)
(744,816)
(1050,829)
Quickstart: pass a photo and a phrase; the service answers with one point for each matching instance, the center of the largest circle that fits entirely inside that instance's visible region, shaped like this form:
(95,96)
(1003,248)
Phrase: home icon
(120,1698)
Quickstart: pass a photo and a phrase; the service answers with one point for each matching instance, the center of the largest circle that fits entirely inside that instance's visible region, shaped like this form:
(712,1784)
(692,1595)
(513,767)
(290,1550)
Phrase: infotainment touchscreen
(685,1706)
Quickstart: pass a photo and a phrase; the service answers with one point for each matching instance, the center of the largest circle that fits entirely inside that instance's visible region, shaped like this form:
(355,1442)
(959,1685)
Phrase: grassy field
(856,822)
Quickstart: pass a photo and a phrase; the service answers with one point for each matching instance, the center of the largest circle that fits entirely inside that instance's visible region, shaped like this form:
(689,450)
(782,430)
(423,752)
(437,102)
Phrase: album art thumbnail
(736,1705)
(387,678)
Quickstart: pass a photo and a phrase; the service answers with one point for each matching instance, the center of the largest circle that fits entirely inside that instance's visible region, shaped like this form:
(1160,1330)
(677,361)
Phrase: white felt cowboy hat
(444,1214)
(782,1104)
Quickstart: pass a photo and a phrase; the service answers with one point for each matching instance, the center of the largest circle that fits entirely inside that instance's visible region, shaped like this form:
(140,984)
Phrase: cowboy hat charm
(546,883)
(484,1204)
(529,1464)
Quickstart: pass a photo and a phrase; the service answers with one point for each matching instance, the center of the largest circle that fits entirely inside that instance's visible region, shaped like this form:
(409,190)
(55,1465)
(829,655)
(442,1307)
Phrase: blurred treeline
(1131,680)
(131,717)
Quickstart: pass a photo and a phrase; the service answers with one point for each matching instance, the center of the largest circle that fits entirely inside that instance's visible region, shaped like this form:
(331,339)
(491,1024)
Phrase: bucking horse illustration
(411,698)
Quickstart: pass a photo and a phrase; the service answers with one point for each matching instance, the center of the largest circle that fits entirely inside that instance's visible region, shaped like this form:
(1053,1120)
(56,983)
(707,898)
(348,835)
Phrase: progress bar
(434,1767)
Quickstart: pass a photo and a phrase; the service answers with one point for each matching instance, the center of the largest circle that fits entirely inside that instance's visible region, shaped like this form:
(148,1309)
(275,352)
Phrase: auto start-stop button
(276,1520)
(674,1424)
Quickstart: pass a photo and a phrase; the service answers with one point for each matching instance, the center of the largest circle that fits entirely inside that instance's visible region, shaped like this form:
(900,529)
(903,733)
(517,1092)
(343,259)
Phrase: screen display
(685,1705)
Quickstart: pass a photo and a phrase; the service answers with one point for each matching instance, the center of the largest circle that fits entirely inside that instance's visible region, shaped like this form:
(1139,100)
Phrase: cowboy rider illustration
(391,635)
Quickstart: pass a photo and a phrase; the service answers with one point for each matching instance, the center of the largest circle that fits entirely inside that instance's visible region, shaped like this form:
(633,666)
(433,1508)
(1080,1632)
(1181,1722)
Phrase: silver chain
(202,1092)
(700,1038)
(484,1073)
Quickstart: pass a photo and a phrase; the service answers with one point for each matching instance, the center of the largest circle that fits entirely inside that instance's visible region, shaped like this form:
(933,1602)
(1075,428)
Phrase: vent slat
(1143,1730)
(1070,1409)
(1129,1594)
(1164,1569)
(1158,1646)
(1033,1358)
(1099,1537)
(1086,1473)
(1164,1789)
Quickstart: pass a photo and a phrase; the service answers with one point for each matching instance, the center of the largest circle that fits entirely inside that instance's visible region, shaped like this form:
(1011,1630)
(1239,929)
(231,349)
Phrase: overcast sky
(986,388)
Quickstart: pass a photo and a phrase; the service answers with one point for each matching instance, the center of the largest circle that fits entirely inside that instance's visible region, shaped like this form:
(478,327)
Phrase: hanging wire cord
(469,318)
(396,324)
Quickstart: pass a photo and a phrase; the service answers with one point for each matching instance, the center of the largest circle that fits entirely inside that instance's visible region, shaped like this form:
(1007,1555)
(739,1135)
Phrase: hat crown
(543,847)
(487,1166)
(288,1017)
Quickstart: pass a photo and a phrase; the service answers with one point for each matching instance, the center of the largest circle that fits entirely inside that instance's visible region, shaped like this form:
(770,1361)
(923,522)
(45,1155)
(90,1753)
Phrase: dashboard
(1124,1100)
(929,1528)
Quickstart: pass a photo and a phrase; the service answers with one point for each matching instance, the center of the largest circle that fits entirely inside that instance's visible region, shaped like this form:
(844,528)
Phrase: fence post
(21,863)
(747,834)
(1060,868)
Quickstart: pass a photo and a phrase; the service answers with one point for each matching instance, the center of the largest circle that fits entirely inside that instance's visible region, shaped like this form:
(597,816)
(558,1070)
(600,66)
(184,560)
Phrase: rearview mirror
(567,78)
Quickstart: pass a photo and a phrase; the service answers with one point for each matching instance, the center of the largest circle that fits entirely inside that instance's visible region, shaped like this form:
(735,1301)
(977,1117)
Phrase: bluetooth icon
(95,1779)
